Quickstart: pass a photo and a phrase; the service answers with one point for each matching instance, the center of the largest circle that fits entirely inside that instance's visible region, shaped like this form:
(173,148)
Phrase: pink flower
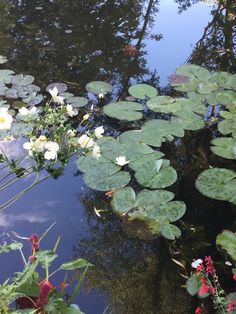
(234,276)
(198,310)
(210,269)
(231,306)
(204,289)
(34,239)
(45,289)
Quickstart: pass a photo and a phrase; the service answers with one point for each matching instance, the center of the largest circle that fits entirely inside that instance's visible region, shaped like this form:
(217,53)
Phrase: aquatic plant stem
(78,285)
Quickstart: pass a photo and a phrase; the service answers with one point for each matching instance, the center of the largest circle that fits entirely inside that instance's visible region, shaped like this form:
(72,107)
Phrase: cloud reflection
(7,220)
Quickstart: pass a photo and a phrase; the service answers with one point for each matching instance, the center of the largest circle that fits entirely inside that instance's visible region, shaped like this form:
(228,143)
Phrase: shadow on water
(80,41)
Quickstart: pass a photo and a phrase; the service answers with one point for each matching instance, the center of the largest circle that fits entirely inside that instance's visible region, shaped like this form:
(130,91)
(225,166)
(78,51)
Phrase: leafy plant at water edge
(34,293)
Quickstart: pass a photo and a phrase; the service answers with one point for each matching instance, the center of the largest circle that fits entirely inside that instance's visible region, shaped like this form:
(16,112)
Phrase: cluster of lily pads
(140,148)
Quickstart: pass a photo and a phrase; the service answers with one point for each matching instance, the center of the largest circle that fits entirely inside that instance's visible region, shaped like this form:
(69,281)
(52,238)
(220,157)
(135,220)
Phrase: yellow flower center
(2,120)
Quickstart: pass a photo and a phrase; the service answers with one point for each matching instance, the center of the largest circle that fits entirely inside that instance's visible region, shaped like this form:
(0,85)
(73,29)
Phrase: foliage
(33,293)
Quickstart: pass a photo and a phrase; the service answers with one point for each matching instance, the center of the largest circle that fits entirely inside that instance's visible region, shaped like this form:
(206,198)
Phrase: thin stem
(14,180)
(78,285)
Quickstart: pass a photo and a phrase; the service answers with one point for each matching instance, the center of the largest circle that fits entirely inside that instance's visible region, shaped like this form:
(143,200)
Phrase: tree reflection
(216,49)
(79,41)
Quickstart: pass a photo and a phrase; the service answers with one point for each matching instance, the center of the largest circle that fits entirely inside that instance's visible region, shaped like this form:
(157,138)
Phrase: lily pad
(61,87)
(224,147)
(194,72)
(227,241)
(99,87)
(142,91)
(22,80)
(155,174)
(228,125)
(6,76)
(3,59)
(218,183)
(170,232)
(226,97)
(124,110)
(77,102)
(165,104)
(225,80)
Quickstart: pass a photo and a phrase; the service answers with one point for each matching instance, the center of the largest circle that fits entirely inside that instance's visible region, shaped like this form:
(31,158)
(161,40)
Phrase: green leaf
(218,183)
(207,87)
(227,241)
(170,232)
(77,102)
(194,72)
(74,309)
(224,147)
(123,200)
(3,59)
(99,87)
(193,284)
(165,104)
(153,176)
(142,91)
(46,257)
(11,247)
(226,97)
(124,110)
(79,263)
(25,311)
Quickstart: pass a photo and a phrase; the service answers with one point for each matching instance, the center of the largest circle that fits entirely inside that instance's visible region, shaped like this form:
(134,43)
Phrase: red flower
(63,285)
(32,258)
(45,289)
(198,310)
(204,289)
(34,239)
(234,276)
(231,306)
(210,269)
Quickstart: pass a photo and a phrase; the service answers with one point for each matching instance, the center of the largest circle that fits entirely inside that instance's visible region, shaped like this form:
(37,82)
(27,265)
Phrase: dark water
(80,41)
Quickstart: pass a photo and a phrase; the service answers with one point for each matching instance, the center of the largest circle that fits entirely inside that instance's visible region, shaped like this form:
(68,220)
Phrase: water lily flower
(197,263)
(85,141)
(55,97)
(121,161)
(51,150)
(71,111)
(5,119)
(96,151)
(99,131)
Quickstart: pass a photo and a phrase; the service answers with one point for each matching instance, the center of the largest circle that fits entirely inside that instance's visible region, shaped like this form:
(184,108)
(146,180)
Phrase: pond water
(80,41)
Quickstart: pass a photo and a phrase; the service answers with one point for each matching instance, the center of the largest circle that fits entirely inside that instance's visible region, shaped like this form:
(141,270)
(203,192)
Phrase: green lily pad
(3,59)
(194,72)
(170,232)
(227,241)
(226,98)
(228,125)
(6,76)
(124,110)
(207,87)
(225,80)
(218,183)
(142,91)
(99,87)
(165,104)
(224,147)
(155,174)
(22,80)
(77,102)
(193,284)
(138,163)
(123,201)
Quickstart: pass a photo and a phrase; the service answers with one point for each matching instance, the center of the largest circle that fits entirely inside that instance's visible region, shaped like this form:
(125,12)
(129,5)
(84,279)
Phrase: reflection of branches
(216,49)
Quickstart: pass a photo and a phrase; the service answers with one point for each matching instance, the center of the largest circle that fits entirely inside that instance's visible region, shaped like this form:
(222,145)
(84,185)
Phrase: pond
(76,42)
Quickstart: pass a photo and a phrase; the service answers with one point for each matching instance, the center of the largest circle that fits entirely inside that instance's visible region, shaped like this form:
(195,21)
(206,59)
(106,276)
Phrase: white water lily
(85,141)
(197,263)
(101,96)
(25,111)
(55,97)
(51,150)
(99,131)
(71,111)
(5,119)
(96,151)
(70,133)
(121,161)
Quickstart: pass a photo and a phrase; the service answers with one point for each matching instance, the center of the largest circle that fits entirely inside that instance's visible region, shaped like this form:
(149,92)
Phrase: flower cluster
(209,285)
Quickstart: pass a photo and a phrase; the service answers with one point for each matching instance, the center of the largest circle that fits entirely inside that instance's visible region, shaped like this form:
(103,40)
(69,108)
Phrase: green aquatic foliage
(155,208)
(226,240)
(224,147)
(218,183)
(102,174)
(124,110)
(155,174)
(99,87)
(228,125)
(3,59)
(142,91)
